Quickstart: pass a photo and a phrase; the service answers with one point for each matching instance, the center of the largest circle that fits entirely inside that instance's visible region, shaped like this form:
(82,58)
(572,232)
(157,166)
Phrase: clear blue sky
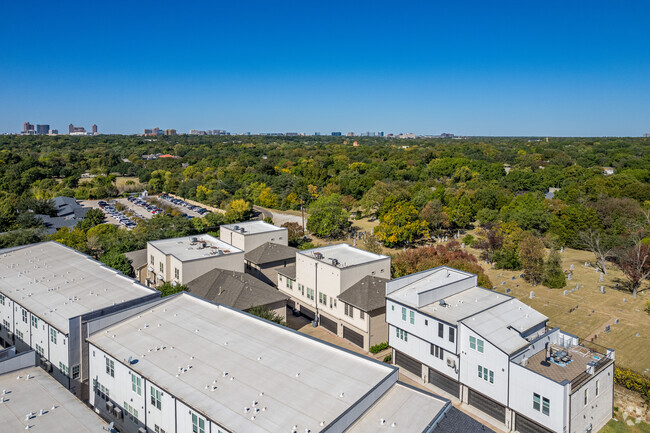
(466,67)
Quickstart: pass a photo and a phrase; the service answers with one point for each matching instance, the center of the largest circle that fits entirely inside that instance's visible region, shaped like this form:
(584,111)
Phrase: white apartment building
(497,354)
(33,400)
(49,294)
(180,260)
(249,235)
(343,287)
(188,365)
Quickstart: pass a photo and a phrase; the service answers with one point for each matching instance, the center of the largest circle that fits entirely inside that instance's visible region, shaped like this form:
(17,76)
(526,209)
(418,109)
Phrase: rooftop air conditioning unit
(118,413)
(142,430)
(451,363)
(110,406)
(47,366)
(193,240)
(335,262)
(236,228)
(318,255)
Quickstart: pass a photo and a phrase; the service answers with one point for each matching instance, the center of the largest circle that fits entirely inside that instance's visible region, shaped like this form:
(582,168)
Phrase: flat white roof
(190,247)
(402,409)
(253,227)
(62,411)
(345,254)
(408,289)
(219,360)
(57,283)
(464,304)
(502,324)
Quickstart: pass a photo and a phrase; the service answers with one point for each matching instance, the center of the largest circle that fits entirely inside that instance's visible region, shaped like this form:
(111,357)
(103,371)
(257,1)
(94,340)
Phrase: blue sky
(466,67)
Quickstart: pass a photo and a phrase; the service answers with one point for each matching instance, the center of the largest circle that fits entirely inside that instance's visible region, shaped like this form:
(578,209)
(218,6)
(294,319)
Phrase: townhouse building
(265,261)
(188,365)
(49,296)
(249,235)
(497,354)
(180,260)
(33,400)
(329,284)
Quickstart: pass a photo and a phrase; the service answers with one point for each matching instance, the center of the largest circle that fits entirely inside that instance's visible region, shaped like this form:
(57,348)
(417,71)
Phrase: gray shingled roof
(138,258)
(270,252)
(288,271)
(455,421)
(234,289)
(368,294)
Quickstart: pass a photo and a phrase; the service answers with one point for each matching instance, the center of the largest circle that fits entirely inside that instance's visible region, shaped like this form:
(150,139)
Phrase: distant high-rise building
(27,127)
(53,132)
(76,130)
(94,129)
(350,134)
(170,132)
(42,129)
(336,134)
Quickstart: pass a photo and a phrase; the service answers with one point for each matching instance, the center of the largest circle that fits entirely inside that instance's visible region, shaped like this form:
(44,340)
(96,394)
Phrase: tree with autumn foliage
(400,224)
(451,254)
(634,261)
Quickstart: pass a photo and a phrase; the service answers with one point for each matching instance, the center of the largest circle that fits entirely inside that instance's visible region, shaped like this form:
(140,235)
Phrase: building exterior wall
(491,358)
(249,241)
(524,383)
(598,410)
(378,328)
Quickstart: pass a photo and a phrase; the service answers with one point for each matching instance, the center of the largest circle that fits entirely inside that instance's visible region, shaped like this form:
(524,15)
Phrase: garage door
(352,336)
(307,312)
(408,363)
(524,425)
(443,382)
(487,405)
(328,324)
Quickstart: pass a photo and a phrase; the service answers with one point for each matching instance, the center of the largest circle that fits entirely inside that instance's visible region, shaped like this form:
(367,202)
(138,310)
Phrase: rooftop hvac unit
(118,413)
(443,303)
(142,430)
(242,230)
(193,240)
(110,406)
(236,228)
(335,262)
(47,366)
(451,363)
(318,255)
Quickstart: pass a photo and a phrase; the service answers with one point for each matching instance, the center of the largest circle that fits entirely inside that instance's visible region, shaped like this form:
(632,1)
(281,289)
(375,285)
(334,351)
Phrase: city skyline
(471,68)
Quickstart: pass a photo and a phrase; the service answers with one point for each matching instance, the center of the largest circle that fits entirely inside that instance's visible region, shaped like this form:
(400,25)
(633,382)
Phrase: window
(25,316)
(100,390)
(426,322)
(474,343)
(151,259)
(290,283)
(156,397)
(586,396)
(75,372)
(349,310)
(361,315)
(597,387)
(198,424)
(7,324)
(322,298)
(311,294)
(452,334)
(401,334)
(136,384)
(161,267)
(131,412)
(110,367)
(437,351)
(536,402)
(392,308)
(19,334)
(412,317)
(404,314)
(53,335)
(177,273)
(441,330)
(63,368)
(546,406)
(485,374)
(331,303)
(2,299)
(40,350)
(157,429)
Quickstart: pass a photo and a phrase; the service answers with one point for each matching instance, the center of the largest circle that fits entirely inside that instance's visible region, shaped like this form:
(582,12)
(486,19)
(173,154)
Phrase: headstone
(571,267)
(577,286)
(463,246)
(606,328)
(602,289)
(569,277)
(624,300)
(616,321)
(513,277)
(565,293)
(561,249)
(602,277)
(532,295)
(503,283)
(586,264)
(637,334)
(507,290)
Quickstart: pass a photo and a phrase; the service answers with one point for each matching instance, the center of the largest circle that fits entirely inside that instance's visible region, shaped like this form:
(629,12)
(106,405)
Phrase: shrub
(468,240)
(388,358)
(379,347)
(633,381)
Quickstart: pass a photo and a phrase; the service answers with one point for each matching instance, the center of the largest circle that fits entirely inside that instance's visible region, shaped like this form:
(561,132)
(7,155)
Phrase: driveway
(279,217)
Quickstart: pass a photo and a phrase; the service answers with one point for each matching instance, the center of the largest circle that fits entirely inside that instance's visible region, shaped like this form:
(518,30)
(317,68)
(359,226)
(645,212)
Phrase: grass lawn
(614,426)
